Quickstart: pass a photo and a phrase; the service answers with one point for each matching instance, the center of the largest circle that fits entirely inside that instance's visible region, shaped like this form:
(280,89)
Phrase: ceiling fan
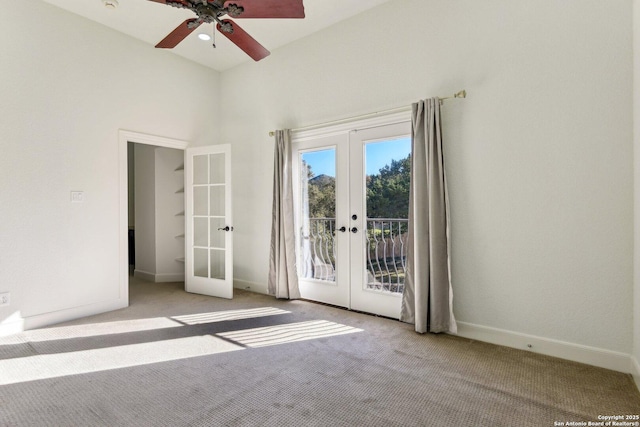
(209,11)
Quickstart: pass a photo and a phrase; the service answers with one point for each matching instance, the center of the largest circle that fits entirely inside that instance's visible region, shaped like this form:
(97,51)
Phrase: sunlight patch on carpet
(223,316)
(293,332)
(139,325)
(98,329)
(45,366)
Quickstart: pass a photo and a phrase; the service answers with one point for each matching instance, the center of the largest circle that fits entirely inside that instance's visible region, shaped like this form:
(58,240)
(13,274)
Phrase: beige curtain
(427,299)
(283,278)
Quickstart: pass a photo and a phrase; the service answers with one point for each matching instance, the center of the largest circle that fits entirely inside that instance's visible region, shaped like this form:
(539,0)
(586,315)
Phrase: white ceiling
(151,22)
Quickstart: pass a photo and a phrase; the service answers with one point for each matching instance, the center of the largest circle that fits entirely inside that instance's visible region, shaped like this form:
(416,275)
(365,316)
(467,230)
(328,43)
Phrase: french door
(351,201)
(208,226)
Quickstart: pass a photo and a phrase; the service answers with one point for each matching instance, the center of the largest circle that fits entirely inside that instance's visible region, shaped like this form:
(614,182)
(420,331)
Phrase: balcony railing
(385,246)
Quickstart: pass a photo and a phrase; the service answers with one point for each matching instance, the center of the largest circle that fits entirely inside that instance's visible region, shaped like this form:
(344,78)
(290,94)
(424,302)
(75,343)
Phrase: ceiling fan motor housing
(208,12)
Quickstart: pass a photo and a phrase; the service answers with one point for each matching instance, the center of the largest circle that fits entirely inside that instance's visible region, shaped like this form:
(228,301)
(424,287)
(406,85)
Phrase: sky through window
(378,155)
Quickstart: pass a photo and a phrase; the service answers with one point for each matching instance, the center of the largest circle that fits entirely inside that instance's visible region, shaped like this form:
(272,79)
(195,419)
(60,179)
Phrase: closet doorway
(156,227)
(203,186)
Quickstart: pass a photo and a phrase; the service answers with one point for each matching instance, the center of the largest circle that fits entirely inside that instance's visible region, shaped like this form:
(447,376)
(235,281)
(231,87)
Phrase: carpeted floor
(178,359)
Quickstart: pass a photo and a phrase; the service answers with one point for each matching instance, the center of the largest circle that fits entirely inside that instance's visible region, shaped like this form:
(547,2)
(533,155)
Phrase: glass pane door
(319,171)
(351,195)
(380,177)
(209,256)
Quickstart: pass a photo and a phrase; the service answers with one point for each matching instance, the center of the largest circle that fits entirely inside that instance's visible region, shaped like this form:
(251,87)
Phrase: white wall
(67,85)
(636,146)
(539,155)
(159,201)
(145,213)
(169,224)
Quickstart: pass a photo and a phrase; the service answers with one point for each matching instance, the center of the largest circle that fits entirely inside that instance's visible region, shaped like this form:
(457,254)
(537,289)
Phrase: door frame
(345,128)
(124,137)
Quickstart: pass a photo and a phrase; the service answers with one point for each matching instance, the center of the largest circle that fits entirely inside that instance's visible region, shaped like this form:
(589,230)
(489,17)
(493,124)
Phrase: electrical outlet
(5,298)
(77,196)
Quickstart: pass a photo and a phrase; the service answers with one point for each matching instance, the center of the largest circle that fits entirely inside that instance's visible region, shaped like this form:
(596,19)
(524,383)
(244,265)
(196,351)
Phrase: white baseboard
(565,350)
(158,278)
(260,288)
(635,371)
(20,324)
(144,275)
(169,277)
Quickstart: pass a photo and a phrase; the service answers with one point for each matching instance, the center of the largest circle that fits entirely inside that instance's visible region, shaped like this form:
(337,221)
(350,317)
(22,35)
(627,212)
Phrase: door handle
(354,230)
(341,229)
(227,228)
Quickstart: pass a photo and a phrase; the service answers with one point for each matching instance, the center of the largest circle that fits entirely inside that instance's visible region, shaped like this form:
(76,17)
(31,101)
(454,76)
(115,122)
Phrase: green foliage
(387,192)
(322,195)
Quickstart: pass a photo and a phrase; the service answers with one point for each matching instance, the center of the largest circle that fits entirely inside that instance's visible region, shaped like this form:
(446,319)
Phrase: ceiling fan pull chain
(214,37)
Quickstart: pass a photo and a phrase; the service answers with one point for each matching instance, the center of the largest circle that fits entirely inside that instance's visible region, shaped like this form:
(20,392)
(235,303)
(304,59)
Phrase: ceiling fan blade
(269,8)
(177,35)
(244,41)
(160,1)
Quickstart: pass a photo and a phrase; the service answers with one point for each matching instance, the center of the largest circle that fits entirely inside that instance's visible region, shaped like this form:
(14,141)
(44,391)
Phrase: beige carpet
(177,359)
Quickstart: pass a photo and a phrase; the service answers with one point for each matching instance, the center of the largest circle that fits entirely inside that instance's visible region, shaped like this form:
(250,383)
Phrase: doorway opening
(156,229)
(155,255)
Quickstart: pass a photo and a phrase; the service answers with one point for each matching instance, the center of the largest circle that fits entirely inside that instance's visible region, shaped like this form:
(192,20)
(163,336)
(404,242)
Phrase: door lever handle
(341,229)
(227,228)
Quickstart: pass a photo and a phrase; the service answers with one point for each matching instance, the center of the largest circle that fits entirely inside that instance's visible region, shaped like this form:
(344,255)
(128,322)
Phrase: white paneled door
(208,222)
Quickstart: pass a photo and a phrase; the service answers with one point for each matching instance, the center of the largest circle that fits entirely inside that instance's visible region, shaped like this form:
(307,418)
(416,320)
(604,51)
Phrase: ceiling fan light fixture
(205,37)
(110,4)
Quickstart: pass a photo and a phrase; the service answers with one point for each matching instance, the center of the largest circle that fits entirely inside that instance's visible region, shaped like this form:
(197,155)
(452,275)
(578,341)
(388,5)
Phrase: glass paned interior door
(387,167)
(209,216)
(317,227)
(208,221)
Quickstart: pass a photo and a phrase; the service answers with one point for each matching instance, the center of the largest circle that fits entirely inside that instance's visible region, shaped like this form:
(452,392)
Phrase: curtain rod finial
(272,133)
(461,94)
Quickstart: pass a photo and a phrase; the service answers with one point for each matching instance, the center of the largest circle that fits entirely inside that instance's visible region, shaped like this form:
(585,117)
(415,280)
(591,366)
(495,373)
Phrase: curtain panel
(427,299)
(283,278)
